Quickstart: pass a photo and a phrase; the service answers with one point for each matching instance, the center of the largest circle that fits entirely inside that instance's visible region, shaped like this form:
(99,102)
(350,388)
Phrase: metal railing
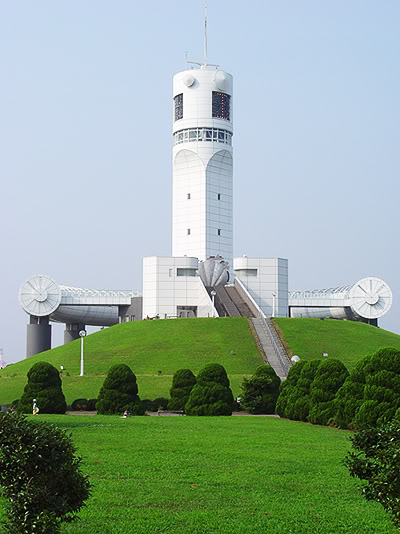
(276,344)
(279,350)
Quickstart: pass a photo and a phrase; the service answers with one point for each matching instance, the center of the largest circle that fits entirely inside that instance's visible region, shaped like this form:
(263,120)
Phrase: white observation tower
(202,163)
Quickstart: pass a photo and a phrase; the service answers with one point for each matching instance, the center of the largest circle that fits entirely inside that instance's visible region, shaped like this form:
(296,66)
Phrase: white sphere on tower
(202,163)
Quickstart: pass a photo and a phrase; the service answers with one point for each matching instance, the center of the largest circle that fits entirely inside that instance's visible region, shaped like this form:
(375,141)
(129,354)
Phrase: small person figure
(126,413)
(35,407)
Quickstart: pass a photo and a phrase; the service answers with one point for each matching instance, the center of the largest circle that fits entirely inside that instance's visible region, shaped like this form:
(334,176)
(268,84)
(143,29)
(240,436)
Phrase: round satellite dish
(371,298)
(39,295)
(294,359)
(221,80)
(188,79)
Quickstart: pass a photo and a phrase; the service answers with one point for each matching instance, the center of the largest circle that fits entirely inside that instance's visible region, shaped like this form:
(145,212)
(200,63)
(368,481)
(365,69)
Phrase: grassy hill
(152,346)
(347,341)
(147,347)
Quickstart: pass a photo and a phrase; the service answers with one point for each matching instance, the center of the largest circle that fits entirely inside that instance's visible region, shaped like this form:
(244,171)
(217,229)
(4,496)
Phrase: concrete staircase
(238,301)
(274,353)
(229,306)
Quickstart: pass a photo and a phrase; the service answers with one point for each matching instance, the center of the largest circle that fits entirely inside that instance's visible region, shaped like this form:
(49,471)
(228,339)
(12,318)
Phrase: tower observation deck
(202,163)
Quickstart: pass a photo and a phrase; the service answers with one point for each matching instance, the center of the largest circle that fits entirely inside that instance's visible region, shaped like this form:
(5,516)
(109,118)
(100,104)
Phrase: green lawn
(221,475)
(347,341)
(147,347)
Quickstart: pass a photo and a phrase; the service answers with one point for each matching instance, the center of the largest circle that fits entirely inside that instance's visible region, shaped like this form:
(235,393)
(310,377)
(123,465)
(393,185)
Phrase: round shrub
(92,405)
(119,392)
(182,384)
(329,377)
(299,401)
(44,385)
(79,405)
(371,394)
(286,387)
(39,475)
(213,372)
(161,402)
(212,394)
(260,392)
(212,399)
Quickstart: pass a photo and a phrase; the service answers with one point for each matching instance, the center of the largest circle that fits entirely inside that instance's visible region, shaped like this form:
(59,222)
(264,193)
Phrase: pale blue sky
(85,137)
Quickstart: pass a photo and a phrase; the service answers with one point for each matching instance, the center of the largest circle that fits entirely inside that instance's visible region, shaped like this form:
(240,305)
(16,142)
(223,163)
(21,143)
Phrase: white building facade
(266,280)
(172,288)
(202,164)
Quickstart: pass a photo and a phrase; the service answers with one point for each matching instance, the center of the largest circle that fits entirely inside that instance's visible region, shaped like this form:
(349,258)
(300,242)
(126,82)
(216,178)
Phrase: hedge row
(323,392)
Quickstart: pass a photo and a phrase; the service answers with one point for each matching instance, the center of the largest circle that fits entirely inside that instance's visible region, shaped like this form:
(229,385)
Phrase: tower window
(219,231)
(221,104)
(188,196)
(188,231)
(178,107)
(218,196)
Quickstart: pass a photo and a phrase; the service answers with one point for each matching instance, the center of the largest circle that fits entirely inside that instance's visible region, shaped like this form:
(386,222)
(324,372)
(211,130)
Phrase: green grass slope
(217,475)
(147,347)
(347,341)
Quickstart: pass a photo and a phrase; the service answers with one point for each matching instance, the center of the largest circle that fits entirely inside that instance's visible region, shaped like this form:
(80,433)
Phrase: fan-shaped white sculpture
(213,271)
(39,295)
(371,297)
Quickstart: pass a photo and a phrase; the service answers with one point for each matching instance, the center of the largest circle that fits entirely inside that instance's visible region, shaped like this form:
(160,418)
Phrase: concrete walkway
(266,342)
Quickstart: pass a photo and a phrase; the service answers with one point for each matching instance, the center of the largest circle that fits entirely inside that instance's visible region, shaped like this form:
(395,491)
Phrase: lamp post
(213,293)
(82,334)
(273,303)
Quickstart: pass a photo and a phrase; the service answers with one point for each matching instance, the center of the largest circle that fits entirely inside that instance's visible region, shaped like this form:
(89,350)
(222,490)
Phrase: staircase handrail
(278,348)
(246,292)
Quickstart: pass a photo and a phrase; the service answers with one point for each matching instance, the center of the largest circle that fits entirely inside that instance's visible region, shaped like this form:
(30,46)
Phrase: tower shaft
(202,164)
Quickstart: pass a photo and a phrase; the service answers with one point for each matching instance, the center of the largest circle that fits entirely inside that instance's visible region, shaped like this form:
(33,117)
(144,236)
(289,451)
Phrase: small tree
(287,387)
(182,384)
(371,394)
(212,394)
(328,379)
(119,392)
(39,475)
(377,461)
(298,404)
(44,384)
(260,392)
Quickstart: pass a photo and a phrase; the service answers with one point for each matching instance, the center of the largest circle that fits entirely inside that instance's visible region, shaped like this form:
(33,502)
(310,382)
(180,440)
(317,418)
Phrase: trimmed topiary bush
(182,384)
(260,392)
(212,394)
(213,372)
(44,385)
(287,387)
(371,393)
(119,392)
(39,475)
(79,405)
(92,405)
(299,401)
(329,377)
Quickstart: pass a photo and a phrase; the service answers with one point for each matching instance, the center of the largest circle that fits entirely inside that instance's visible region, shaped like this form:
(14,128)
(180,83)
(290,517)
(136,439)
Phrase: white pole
(81,356)
(213,293)
(205,35)
(273,304)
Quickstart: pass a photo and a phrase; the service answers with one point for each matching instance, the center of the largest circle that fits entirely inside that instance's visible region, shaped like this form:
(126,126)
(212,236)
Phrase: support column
(38,335)
(71,331)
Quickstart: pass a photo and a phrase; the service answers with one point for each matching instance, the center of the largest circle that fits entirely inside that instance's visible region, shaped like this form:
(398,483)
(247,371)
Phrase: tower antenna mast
(205,35)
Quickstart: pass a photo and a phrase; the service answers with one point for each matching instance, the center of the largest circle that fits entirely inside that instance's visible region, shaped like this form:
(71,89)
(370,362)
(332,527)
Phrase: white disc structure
(371,298)
(39,295)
